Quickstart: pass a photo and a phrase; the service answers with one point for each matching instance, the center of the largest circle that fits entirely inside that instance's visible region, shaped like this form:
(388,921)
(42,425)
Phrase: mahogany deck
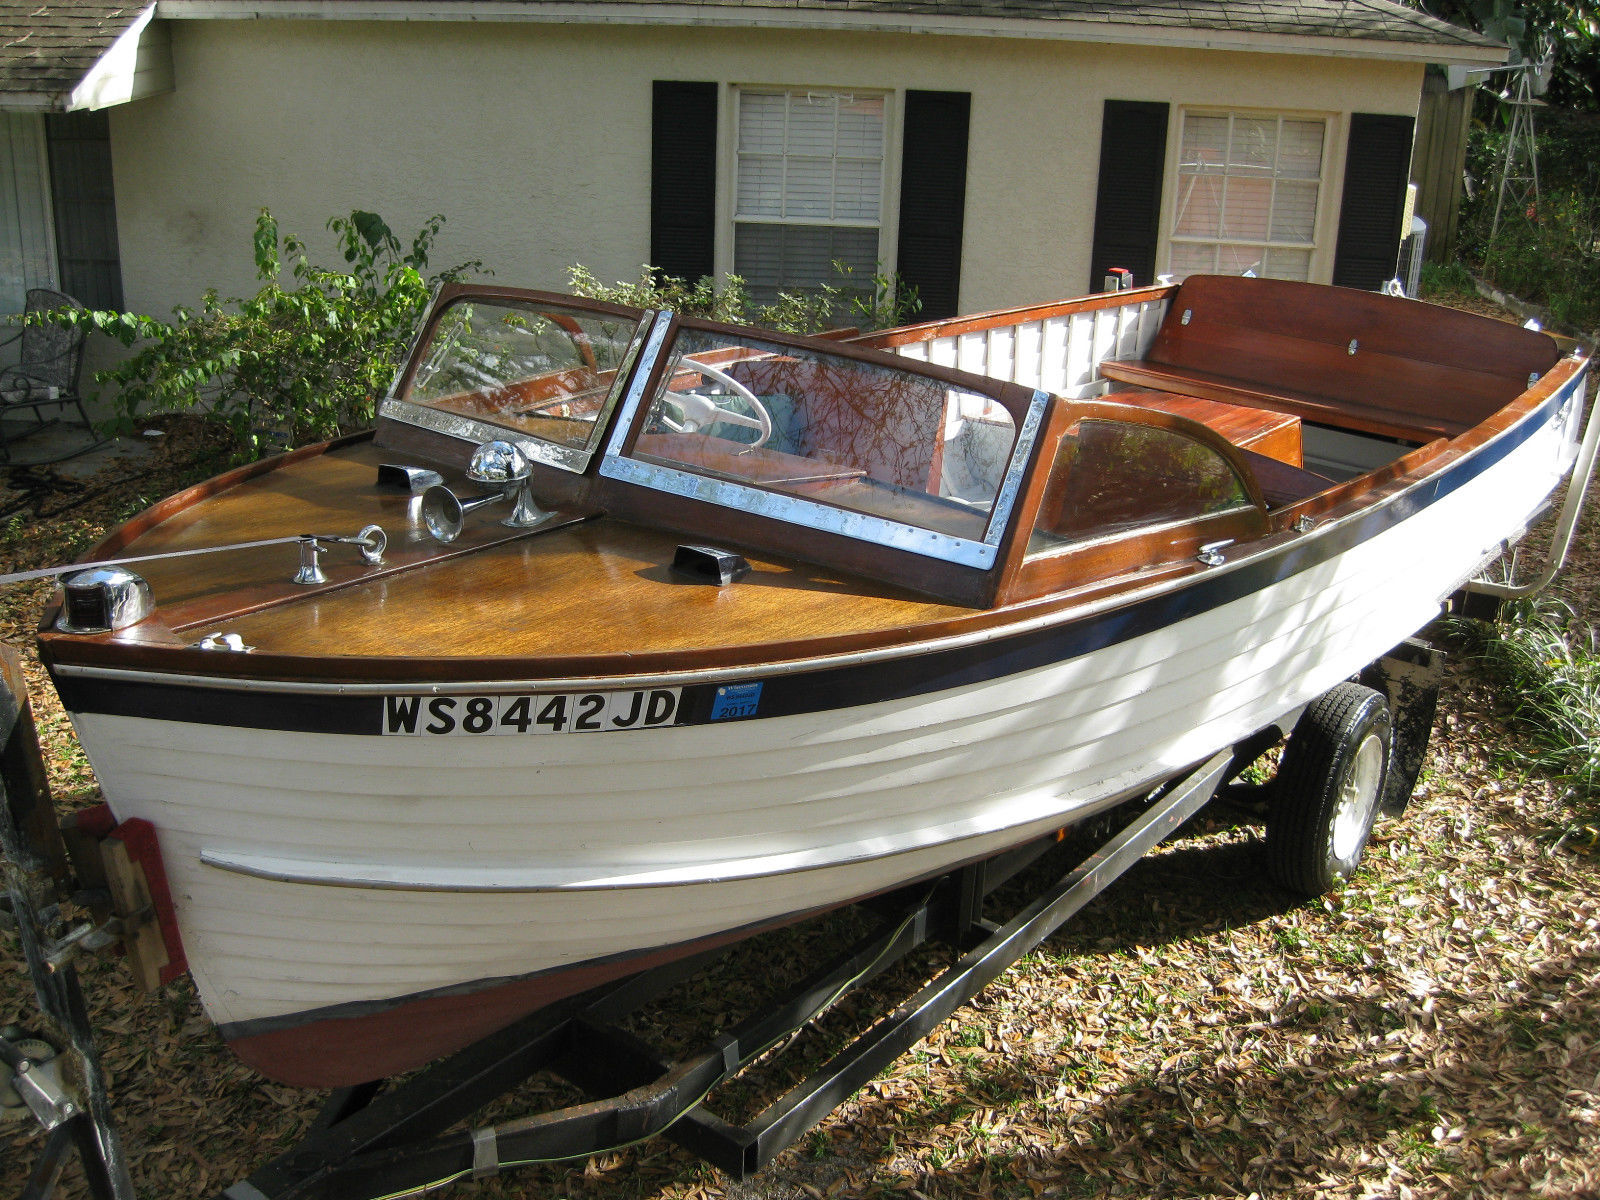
(515,600)
(509,595)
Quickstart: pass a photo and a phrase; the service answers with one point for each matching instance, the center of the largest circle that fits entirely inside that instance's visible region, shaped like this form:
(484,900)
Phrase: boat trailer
(413,1137)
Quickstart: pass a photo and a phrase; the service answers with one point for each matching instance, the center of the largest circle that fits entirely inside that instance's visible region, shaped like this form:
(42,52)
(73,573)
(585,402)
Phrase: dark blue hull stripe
(856,684)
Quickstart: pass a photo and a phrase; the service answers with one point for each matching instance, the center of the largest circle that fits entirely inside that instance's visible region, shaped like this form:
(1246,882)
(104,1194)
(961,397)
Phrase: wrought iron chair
(48,368)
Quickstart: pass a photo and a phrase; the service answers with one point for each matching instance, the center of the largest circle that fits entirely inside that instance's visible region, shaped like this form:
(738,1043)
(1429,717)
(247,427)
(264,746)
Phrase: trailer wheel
(1328,790)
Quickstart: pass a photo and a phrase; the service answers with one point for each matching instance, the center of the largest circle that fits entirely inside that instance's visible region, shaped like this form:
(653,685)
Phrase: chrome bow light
(498,464)
(100,599)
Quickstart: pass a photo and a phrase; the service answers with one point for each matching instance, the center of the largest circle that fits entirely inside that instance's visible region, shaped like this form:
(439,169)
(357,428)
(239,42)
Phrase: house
(993,152)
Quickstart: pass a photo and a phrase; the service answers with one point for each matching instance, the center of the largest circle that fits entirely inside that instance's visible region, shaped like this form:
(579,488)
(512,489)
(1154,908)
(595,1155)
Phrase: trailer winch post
(75,1111)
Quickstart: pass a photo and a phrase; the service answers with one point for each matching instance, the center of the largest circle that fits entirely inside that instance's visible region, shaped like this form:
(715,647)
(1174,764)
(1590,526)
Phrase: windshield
(903,445)
(544,370)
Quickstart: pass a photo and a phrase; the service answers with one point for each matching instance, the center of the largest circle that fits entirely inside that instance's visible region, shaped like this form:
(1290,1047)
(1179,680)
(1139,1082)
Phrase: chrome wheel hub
(1358,797)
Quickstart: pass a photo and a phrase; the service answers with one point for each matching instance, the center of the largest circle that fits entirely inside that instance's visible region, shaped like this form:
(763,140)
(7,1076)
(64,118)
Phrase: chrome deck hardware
(310,571)
(223,641)
(497,464)
(100,599)
(371,542)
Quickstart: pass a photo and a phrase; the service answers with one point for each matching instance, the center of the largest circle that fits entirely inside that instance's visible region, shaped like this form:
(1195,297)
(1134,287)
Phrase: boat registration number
(523,715)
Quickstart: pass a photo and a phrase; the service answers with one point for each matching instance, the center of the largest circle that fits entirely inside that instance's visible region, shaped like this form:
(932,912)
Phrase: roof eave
(136,65)
(852,20)
(30,101)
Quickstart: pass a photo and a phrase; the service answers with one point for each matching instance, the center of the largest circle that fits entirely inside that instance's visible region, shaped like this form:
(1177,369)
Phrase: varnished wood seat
(1231,390)
(1354,360)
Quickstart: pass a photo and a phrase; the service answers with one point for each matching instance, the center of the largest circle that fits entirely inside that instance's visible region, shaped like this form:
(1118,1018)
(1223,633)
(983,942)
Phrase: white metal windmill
(1519,171)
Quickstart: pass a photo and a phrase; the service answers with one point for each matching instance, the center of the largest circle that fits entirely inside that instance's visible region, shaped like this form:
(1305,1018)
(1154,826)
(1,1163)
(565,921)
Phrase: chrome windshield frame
(811,514)
(475,431)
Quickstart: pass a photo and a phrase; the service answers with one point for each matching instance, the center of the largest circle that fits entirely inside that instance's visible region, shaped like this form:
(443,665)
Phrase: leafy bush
(1546,252)
(298,361)
(889,301)
(654,290)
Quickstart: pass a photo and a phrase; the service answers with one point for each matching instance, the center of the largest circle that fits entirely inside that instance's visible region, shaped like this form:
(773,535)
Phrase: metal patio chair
(47,371)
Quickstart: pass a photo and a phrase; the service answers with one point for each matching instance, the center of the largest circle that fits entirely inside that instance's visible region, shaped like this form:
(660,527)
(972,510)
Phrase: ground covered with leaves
(1431,1030)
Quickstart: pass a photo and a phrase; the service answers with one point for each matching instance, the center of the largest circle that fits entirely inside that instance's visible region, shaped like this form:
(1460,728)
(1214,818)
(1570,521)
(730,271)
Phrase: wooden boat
(743,626)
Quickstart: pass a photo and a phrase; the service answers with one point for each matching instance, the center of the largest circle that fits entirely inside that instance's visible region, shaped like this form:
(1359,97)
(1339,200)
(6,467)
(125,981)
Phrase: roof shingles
(1381,20)
(47,48)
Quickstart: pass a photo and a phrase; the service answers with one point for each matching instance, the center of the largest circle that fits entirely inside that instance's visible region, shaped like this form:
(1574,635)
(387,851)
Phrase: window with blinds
(1247,193)
(809,188)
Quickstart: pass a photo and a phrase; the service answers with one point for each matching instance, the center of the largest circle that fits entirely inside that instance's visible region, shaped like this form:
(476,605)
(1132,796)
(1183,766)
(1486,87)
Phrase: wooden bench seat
(1354,360)
(1229,390)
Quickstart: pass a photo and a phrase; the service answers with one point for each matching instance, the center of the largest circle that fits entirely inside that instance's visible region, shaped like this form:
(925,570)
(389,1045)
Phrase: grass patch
(1444,282)
(1547,668)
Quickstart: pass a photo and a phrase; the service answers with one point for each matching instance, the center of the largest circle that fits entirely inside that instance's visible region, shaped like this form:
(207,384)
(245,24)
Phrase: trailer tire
(1328,790)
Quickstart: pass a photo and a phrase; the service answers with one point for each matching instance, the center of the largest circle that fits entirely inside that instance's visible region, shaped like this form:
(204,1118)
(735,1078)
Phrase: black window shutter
(1127,206)
(683,179)
(84,207)
(933,198)
(1376,170)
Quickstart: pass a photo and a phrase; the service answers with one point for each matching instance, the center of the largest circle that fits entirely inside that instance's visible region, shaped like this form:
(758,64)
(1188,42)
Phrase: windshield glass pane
(544,370)
(1110,477)
(855,435)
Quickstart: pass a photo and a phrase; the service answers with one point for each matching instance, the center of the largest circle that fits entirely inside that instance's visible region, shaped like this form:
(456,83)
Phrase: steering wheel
(699,412)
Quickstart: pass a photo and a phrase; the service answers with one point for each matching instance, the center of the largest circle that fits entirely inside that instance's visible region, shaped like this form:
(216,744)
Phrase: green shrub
(889,301)
(1548,251)
(299,361)
(654,290)
(1548,667)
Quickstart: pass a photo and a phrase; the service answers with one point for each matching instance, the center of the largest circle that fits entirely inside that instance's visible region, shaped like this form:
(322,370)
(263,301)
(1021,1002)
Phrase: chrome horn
(443,511)
(495,463)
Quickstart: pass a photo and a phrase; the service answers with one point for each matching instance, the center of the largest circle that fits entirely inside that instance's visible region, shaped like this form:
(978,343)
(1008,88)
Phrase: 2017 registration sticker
(520,715)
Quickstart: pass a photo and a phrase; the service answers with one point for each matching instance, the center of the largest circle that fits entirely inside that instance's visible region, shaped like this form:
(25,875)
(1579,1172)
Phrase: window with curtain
(1247,192)
(27,255)
(809,188)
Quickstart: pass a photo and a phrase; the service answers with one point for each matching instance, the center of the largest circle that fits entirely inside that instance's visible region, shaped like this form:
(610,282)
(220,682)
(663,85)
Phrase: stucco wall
(534,140)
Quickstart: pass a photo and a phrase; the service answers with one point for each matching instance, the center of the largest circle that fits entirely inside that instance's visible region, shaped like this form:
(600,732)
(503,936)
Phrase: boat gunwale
(1360,498)
(1022,592)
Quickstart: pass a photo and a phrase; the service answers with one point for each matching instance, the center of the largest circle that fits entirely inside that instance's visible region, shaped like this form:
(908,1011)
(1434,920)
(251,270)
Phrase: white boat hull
(347,875)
